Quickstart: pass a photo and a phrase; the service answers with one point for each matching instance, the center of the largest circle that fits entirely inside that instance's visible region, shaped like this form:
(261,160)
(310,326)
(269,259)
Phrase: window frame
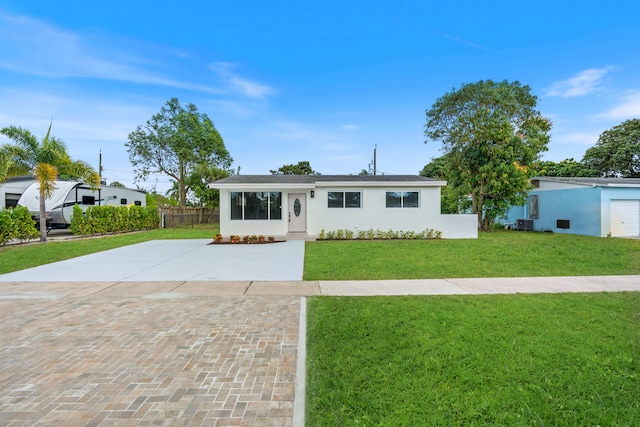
(403,199)
(267,205)
(344,200)
(534,206)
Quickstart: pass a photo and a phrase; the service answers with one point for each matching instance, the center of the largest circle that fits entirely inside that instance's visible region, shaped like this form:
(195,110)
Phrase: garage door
(625,218)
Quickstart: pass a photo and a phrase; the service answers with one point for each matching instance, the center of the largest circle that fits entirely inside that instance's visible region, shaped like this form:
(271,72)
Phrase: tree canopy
(302,168)
(491,133)
(46,160)
(567,168)
(617,152)
(175,142)
(451,200)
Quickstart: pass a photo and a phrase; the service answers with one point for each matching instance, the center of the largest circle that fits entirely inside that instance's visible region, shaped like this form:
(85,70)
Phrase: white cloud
(240,84)
(583,83)
(628,108)
(350,127)
(459,40)
(35,47)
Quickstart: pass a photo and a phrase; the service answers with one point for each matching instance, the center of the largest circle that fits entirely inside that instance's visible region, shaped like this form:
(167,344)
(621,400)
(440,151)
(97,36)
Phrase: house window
(344,199)
(402,199)
(252,205)
(534,210)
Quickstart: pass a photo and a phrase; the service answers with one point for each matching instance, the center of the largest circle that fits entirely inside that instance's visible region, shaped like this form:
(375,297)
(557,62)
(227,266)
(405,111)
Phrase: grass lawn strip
(548,359)
(498,254)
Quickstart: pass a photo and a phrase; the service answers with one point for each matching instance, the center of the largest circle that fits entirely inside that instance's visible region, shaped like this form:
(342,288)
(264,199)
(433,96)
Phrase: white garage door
(625,218)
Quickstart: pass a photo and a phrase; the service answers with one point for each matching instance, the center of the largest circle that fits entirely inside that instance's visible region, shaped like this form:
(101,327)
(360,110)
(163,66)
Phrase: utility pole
(100,167)
(375,148)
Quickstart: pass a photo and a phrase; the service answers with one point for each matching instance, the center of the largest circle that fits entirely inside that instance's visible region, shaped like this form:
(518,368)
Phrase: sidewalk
(184,289)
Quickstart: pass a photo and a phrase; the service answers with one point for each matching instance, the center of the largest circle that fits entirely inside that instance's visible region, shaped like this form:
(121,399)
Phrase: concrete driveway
(181,260)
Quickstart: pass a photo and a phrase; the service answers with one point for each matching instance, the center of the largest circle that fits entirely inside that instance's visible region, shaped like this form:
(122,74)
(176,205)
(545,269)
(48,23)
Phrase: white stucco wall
(373,214)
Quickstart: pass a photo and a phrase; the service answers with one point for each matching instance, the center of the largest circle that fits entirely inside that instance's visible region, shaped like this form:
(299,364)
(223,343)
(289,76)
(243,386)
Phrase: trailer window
(123,201)
(88,200)
(138,203)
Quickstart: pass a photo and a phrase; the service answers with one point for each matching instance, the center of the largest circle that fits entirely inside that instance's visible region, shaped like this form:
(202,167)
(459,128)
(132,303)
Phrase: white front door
(297,212)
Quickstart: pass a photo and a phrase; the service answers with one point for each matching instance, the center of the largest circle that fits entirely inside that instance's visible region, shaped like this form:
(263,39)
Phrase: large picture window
(402,199)
(251,205)
(344,199)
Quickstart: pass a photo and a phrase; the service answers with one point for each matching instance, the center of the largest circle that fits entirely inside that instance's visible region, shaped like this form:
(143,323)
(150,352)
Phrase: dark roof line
(589,181)
(310,179)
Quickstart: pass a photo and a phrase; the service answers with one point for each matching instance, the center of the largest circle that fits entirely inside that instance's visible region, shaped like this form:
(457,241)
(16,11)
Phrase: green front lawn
(19,257)
(516,360)
(498,254)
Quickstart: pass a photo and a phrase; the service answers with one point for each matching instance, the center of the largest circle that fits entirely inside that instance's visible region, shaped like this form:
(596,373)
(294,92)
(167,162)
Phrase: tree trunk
(43,216)
(181,186)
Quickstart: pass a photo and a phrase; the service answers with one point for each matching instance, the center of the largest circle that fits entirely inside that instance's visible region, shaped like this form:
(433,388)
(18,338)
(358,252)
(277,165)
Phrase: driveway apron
(183,260)
(181,361)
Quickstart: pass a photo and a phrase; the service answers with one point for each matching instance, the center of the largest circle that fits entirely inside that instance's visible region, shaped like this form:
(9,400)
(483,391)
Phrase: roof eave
(261,186)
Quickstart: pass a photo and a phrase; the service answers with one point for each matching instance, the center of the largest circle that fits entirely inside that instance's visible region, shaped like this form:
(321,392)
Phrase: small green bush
(25,226)
(16,223)
(346,234)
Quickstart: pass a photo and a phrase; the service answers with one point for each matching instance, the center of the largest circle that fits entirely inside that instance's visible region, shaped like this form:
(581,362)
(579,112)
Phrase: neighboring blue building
(589,206)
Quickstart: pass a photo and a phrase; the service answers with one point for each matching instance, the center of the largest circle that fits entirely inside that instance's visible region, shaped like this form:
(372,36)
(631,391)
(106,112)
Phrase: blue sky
(322,82)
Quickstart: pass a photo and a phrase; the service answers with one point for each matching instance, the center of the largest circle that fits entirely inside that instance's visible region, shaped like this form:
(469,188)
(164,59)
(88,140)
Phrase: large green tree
(491,133)
(301,168)
(617,152)
(46,160)
(174,142)
(451,200)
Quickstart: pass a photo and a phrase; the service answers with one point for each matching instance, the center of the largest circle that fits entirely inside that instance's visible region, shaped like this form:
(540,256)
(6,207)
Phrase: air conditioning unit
(524,224)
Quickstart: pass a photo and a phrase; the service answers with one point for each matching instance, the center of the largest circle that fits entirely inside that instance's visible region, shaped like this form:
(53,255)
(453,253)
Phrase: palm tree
(46,160)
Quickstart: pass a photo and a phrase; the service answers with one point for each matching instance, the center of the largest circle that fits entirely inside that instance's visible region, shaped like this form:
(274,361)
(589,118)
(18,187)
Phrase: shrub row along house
(589,206)
(301,206)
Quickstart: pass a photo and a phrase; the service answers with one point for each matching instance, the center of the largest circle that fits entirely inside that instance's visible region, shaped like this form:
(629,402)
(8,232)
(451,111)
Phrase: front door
(297,212)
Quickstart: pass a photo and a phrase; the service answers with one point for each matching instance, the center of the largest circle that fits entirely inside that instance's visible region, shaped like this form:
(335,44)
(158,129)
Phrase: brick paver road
(138,361)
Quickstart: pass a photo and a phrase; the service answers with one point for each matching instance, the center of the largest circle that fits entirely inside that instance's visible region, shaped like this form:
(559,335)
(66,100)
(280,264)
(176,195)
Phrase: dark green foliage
(451,200)
(491,134)
(16,223)
(113,219)
(176,142)
(566,168)
(617,152)
(302,168)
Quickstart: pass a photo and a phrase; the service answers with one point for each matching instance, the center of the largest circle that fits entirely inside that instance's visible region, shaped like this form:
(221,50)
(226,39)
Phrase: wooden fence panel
(175,216)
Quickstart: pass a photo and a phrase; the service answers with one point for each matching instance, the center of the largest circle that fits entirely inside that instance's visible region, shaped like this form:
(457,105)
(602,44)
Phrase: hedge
(16,224)
(113,219)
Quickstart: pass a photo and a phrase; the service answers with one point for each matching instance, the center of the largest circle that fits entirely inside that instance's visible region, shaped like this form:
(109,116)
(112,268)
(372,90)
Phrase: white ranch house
(301,206)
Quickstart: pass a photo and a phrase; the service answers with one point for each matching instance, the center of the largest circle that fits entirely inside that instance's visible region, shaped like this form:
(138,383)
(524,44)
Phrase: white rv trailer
(59,207)
(11,189)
